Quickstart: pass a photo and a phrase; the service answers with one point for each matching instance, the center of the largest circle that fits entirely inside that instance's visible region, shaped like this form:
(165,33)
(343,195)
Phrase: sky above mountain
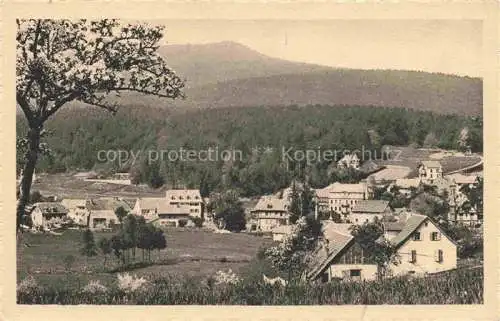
(445,46)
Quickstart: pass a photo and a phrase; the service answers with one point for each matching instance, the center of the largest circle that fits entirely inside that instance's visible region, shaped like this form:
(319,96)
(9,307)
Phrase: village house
(147,207)
(339,256)
(349,161)
(270,212)
(190,198)
(48,214)
(341,198)
(406,185)
(172,215)
(77,210)
(421,246)
(366,211)
(102,212)
(428,171)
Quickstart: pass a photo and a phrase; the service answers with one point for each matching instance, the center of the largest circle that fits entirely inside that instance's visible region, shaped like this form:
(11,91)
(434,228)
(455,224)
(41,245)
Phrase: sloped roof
(186,194)
(431,164)
(51,208)
(73,203)
(150,203)
(370,206)
(410,225)
(348,188)
(107,203)
(463,179)
(130,201)
(174,209)
(271,203)
(334,242)
(349,158)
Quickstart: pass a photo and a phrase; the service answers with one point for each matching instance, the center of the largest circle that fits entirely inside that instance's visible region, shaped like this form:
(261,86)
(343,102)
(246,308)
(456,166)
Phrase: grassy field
(189,252)
(455,287)
(67,186)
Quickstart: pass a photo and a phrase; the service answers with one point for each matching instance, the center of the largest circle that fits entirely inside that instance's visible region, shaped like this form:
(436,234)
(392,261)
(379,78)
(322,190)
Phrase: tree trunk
(27,175)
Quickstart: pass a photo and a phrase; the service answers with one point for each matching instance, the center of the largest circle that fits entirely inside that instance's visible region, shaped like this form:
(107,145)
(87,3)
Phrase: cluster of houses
(177,208)
(421,246)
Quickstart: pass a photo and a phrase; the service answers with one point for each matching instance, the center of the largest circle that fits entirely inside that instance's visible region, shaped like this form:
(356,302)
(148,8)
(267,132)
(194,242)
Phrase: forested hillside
(260,133)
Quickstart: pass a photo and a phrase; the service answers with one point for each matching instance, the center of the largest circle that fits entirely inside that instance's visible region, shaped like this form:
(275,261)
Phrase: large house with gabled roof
(341,198)
(271,212)
(421,245)
(189,198)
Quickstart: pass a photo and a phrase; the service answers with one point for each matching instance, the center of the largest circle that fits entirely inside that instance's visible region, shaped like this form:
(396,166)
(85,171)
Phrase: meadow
(184,274)
(189,252)
(457,287)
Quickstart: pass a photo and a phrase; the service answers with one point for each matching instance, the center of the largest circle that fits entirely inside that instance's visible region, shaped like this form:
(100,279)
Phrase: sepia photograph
(271,162)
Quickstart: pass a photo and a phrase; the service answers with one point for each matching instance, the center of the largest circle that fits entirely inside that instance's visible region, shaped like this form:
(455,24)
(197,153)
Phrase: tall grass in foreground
(458,287)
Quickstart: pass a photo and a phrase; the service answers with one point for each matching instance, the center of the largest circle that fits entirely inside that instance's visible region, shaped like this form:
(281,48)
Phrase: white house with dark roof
(339,256)
(421,246)
(365,211)
(341,198)
(189,198)
(428,171)
(270,212)
(46,214)
(349,161)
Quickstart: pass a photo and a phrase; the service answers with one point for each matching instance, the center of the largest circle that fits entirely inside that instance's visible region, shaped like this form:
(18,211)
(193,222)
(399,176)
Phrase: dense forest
(260,134)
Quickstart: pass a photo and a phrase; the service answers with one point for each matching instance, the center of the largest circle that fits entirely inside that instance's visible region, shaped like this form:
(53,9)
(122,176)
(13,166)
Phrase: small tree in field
(105,247)
(89,247)
(121,213)
(60,61)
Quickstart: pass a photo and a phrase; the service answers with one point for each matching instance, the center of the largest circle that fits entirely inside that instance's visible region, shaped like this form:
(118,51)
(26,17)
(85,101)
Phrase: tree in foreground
(380,251)
(89,247)
(60,61)
(291,256)
(104,245)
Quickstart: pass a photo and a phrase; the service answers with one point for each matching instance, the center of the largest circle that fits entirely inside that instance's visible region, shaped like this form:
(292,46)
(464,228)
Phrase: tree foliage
(60,61)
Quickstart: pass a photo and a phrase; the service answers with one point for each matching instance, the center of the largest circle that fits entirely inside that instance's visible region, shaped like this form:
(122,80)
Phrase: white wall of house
(426,253)
(268,223)
(366,271)
(37,217)
(361,218)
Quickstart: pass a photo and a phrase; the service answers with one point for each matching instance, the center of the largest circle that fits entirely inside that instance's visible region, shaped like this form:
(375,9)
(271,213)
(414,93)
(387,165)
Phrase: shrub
(228,277)
(28,286)
(182,223)
(129,283)
(94,287)
(198,221)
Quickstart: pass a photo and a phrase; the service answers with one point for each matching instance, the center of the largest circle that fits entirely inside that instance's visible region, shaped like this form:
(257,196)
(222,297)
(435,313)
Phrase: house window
(417,236)
(439,256)
(413,256)
(355,273)
(435,236)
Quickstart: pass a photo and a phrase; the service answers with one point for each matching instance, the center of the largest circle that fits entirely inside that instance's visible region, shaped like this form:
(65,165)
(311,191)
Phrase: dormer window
(269,206)
(173,197)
